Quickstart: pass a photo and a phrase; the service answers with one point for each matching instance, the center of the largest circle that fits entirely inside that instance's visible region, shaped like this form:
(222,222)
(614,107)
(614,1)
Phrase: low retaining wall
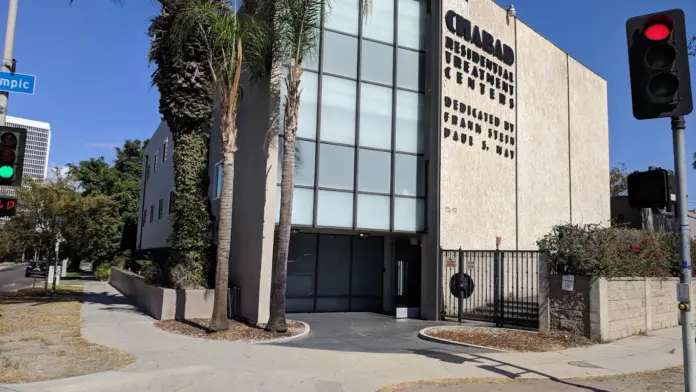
(610,309)
(161,303)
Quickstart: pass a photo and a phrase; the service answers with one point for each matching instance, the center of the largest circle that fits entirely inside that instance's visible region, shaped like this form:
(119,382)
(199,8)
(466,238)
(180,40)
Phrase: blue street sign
(17,83)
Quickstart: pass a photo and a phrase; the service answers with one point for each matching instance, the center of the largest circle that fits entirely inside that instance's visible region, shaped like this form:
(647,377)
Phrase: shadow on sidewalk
(498,368)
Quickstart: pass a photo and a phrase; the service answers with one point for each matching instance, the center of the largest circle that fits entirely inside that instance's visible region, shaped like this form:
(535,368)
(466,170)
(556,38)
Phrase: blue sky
(93,78)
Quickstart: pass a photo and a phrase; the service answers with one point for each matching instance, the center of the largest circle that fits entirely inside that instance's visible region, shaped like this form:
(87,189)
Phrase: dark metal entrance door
(496,286)
(408,273)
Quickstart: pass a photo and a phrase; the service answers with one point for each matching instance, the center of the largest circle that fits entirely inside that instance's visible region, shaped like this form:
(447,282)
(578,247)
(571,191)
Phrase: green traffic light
(6,172)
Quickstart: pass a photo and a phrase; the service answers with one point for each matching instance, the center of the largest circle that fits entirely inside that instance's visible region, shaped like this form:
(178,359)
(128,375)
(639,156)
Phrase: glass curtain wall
(362,123)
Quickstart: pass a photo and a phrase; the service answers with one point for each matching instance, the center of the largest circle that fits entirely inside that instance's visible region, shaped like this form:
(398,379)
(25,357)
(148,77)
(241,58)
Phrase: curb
(288,339)
(423,334)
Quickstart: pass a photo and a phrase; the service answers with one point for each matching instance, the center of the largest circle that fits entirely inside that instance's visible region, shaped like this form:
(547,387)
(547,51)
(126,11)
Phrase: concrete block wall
(610,309)
(570,310)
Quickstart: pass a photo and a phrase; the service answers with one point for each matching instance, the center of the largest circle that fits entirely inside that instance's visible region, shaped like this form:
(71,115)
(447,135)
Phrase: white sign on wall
(568,283)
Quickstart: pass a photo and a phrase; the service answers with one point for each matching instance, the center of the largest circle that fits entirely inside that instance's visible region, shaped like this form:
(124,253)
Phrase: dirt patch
(668,380)
(238,331)
(510,340)
(40,338)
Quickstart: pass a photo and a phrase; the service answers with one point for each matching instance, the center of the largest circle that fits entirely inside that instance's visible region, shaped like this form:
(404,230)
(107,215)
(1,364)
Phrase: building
(35,163)
(646,218)
(429,126)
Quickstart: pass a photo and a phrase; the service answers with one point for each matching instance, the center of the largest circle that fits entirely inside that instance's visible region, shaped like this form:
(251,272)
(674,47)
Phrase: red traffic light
(658,28)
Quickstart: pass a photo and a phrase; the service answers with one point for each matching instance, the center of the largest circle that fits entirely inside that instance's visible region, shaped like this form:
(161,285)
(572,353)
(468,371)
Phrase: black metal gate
(496,286)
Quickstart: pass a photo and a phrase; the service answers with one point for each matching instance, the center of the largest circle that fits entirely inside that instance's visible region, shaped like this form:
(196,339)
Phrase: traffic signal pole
(684,291)
(6,63)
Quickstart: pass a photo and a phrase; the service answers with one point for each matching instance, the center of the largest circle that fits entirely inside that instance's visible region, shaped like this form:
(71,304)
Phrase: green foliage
(592,250)
(103,271)
(618,180)
(119,182)
(183,79)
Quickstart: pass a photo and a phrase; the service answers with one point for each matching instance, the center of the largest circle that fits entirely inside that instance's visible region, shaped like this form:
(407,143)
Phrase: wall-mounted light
(363,235)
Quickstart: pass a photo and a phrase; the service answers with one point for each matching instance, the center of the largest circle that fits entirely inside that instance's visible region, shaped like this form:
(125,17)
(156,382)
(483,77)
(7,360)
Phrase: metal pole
(6,64)
(55,266)
(684,292)
(460,292)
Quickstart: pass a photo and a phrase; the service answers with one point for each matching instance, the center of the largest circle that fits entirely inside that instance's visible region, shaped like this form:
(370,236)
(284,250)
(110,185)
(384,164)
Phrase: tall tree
(217,22)
(120,182)
(618,180)
(183,78)
(284,33)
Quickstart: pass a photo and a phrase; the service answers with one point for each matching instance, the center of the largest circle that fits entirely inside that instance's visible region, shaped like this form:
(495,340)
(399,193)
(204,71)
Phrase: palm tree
(284,32)
(217,22)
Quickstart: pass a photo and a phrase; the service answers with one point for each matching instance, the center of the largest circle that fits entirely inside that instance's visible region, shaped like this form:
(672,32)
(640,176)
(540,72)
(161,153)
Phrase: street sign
(17,83)
(8,206)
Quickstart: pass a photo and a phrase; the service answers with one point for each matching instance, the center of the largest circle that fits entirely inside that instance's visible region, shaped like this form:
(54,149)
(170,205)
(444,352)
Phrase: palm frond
(217,25)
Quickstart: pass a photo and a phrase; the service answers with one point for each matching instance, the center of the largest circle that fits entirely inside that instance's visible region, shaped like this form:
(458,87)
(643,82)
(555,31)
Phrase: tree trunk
(276,321)
(228,126)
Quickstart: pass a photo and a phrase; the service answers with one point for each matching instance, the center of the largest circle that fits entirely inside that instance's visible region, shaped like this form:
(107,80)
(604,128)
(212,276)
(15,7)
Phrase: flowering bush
(592,250)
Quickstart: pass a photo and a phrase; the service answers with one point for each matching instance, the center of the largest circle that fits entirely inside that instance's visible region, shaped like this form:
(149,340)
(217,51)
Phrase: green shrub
(103,271)
(592,250)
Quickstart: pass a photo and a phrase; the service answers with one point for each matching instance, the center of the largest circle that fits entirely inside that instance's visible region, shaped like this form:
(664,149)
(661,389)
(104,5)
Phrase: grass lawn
(40,337)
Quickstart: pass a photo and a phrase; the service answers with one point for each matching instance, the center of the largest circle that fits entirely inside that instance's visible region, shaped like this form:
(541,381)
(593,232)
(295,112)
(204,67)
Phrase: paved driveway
(370,333)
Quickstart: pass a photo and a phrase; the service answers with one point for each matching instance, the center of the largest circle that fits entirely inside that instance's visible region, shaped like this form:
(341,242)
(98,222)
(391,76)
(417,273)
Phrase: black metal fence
(496,286)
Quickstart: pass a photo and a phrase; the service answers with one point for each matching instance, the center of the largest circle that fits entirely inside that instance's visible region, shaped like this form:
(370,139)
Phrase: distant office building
(36,152)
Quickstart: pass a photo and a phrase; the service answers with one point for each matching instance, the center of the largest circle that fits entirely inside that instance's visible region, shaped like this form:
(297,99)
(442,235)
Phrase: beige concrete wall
(618,307)
(589,146)
(160,303)
(477,184)
(543,186)
(534,156)
(627,311)
(253,225)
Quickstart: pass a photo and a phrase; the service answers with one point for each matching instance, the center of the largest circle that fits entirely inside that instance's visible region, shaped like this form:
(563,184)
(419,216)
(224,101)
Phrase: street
(12,278)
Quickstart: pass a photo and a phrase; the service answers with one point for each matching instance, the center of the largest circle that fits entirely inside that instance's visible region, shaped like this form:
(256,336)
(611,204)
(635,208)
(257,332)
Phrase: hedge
(596,251)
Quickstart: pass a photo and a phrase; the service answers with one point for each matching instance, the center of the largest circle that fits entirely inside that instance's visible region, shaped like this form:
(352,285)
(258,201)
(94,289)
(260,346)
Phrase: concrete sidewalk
(167,362)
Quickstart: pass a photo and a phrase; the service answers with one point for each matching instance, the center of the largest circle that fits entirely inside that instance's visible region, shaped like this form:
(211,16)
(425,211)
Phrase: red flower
(636,248)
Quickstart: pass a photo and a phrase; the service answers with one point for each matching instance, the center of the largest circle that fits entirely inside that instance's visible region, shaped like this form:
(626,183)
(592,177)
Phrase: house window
(218,181)
(160,209)
(152,212)
(156,160)
(164,149)
(144,218)
(170,209)
(147,167)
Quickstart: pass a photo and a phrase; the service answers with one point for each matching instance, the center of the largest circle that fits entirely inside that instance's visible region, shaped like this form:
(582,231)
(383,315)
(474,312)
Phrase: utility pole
(7,59)
(684,292)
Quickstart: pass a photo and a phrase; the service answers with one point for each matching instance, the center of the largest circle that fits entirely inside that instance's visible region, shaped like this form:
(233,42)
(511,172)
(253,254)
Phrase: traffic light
(659,65)
(650,189)
(12,145)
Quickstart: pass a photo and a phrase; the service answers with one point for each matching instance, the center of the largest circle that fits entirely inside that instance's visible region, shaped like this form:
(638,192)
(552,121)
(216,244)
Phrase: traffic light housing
(659,65)
(12,147)
(650,189)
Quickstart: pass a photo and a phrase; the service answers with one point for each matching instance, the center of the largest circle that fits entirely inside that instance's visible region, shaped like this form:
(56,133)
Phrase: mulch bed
(239,331)
(511,340)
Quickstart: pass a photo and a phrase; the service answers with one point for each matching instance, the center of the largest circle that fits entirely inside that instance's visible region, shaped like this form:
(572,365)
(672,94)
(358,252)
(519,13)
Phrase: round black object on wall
(463,282)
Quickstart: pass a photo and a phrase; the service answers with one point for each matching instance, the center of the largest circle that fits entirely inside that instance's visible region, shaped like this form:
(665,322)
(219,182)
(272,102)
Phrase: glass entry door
(408,274)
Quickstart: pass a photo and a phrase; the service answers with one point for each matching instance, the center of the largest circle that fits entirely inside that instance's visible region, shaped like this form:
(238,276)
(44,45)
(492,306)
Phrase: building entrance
(408,276)
(335,273)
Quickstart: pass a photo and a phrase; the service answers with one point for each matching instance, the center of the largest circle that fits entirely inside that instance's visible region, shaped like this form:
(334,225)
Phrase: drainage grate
(327,386)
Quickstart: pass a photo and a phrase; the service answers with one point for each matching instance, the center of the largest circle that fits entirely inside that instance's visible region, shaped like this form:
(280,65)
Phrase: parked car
(36,268)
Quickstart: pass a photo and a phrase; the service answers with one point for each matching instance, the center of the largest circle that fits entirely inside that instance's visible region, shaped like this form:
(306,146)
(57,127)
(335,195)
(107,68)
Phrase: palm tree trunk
(228,125)
(276,321)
